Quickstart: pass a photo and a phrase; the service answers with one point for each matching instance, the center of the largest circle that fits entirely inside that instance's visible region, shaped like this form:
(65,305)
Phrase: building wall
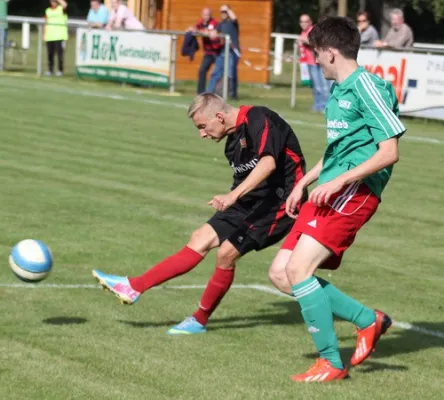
(255,21)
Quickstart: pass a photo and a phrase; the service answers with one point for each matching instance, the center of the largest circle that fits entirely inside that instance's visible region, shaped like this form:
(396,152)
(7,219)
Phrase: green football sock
(318,316)
(346,307)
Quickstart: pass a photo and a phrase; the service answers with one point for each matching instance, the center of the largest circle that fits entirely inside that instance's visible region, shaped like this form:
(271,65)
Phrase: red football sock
(218,285)
(177,264)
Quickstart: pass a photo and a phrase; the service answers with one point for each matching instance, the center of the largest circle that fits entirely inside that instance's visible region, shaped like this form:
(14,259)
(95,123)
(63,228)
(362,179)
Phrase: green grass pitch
(117,179)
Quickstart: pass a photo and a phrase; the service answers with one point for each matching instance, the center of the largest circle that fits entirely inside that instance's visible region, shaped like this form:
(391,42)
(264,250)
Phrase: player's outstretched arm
(264,168)
(386,155)
(295,197)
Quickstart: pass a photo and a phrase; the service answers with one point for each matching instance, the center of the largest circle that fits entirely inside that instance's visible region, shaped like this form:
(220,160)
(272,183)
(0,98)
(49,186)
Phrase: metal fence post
(173,63)
(294,74)
(40,50)
(278,54)
(226,67)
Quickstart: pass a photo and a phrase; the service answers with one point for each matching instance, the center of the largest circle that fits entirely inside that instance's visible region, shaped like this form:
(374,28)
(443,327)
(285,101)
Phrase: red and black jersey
(211,46)
(259,132)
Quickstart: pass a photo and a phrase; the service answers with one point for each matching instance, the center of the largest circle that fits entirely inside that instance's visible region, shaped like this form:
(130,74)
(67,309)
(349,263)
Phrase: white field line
(261,288)
(120,97)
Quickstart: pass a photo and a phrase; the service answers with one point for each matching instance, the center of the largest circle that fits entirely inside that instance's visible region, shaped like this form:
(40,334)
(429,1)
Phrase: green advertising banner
(132,57)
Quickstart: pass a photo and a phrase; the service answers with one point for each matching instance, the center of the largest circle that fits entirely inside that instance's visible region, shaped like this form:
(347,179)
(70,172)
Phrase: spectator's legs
(60,54)
(317,77)
(234,61)
(217,74)
(51,52)
(207,61)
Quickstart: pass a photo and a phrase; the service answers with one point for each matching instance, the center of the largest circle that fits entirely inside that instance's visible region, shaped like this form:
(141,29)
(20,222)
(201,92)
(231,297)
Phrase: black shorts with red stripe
(252,228)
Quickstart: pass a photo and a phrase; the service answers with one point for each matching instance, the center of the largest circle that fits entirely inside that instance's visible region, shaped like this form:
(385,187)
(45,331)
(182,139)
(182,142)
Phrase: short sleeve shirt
(100,16)
(230,28)
(361,112)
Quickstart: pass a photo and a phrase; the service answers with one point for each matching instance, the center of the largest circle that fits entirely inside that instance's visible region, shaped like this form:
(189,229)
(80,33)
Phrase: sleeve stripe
(377,96)
(264,137)
(378,101)
(363,99)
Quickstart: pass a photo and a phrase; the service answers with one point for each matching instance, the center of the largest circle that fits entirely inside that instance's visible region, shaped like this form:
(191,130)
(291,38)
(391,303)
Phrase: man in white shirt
(123,18)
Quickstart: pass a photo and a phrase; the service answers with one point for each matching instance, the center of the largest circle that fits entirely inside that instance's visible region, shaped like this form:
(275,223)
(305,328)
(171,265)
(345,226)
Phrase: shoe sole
(174,332)
(338,378)
(123,300)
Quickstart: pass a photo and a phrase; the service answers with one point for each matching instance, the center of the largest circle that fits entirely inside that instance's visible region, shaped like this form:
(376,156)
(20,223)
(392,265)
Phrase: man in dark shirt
(229,25)
(267,162)
(212,46)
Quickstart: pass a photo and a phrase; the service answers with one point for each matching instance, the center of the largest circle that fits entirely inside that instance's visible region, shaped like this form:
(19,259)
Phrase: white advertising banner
(418,79)
(133,57)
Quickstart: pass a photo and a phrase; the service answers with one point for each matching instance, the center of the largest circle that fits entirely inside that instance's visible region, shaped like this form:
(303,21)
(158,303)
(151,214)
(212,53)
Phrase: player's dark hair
(338,33)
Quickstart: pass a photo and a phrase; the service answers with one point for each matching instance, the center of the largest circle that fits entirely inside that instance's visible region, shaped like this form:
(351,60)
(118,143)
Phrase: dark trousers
(54,47)
(207,61)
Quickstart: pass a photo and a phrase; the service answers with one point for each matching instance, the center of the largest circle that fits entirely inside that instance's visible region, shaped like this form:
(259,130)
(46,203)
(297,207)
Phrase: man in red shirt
(320,86)
(212,46)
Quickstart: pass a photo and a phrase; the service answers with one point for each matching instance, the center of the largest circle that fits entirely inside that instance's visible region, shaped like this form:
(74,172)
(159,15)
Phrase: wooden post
(342,8)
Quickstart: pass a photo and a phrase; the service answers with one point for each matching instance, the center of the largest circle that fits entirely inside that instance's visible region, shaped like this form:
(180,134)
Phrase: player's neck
(345,69)
(230,121)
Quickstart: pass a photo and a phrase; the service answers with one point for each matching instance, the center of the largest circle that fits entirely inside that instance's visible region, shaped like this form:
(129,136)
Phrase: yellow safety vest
(56,24)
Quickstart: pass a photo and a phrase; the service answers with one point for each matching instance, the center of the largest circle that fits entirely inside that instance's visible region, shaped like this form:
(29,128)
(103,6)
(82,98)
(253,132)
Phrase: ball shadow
(64,321)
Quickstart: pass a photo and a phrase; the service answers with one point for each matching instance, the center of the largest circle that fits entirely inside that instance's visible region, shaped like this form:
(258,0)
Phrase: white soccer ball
(31,260)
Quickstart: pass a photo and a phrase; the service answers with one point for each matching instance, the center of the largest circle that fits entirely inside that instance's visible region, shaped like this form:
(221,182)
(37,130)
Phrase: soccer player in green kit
(363,129)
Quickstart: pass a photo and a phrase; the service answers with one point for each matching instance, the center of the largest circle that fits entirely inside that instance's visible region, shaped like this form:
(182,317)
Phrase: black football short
(255,228)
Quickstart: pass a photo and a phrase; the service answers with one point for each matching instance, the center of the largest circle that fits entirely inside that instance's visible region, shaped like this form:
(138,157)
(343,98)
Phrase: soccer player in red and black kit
(267,161)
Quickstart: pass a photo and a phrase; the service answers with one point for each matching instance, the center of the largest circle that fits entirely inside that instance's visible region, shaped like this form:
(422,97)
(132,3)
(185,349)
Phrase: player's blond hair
(208,103)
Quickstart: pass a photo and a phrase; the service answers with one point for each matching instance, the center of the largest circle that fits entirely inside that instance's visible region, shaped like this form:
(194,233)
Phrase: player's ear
(220,116)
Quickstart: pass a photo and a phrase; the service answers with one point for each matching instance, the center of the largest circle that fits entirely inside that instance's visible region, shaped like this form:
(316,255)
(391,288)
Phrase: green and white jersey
(362,111)
(3,14)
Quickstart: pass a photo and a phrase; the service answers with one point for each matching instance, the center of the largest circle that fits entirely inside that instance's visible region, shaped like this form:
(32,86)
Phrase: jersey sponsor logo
(335,124)
(331,134)
(313,329)
(239,169)
(345,104)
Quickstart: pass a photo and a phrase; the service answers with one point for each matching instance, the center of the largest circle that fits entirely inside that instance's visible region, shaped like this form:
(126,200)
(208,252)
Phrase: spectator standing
(368,32)
(400,34)
(320,86)
(212,46)
(56,33)
(98,14)
(229,25)
(122,18)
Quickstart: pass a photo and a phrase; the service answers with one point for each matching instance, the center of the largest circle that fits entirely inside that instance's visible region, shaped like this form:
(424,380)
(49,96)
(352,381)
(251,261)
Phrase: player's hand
(222,202)
(291,205)
(322,194)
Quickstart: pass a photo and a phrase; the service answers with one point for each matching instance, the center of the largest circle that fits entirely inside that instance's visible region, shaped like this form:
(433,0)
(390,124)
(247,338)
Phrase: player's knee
(298,273)
(227,255)
(278,277)
(202,241)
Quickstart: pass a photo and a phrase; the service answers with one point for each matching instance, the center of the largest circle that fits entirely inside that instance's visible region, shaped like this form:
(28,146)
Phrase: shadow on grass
(395,343)
(290,316)
(64,321)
